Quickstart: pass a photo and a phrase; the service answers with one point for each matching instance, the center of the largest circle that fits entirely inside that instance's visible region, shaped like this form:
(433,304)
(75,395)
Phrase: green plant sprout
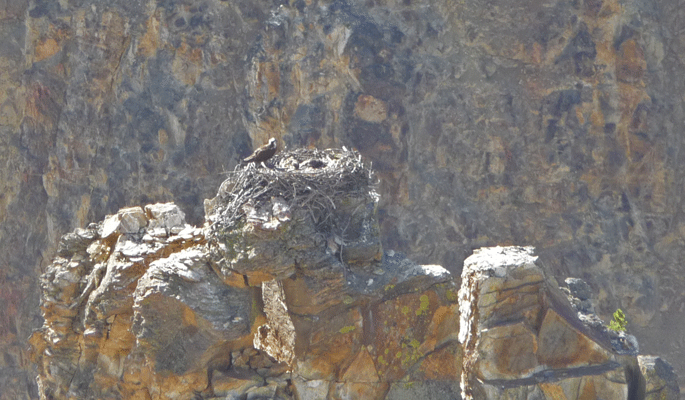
(619,323)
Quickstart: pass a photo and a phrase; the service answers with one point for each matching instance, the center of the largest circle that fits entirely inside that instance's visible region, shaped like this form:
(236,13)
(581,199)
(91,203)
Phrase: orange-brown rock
(139,305)
(145,306)
(551,123)
(127,310)
(522,338)
(134,310)
(631,64)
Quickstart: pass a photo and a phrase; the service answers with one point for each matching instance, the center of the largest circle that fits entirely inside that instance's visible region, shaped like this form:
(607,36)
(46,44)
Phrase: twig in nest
(305,178)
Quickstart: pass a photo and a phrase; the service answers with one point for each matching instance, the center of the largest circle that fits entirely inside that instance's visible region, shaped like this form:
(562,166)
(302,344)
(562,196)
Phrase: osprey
(263,153)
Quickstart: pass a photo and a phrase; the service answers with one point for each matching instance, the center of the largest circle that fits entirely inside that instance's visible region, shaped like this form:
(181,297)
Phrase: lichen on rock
(523,339)
(285,292)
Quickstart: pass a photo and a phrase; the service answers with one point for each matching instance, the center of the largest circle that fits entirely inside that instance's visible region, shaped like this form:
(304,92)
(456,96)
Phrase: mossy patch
(423,308)
(347,329)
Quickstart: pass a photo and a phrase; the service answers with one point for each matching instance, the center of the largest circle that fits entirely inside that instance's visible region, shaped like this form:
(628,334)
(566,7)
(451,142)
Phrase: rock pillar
(521,339)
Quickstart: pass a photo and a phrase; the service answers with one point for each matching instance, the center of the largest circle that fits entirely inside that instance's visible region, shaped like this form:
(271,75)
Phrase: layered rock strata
(286,293)
(553,123)
(274,303)
(523,339)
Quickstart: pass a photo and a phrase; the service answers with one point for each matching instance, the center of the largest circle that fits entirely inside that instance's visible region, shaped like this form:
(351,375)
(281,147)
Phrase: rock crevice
(286,293)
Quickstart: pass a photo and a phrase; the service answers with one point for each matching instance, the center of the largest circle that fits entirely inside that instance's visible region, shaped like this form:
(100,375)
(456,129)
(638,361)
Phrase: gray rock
(521,337)
(167,216)
(424,390)
(659,379)
(579,288)
(507,126)
(185,281)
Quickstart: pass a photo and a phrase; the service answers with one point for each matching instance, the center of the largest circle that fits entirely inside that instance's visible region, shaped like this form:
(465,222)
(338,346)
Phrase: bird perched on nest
(263,153)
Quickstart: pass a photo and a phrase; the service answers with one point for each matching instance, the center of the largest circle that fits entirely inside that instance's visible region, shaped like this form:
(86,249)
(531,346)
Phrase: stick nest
(304,178)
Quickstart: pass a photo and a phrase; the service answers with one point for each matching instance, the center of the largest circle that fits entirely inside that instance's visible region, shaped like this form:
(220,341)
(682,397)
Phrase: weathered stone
(127,220)
(362,369)
(131,285)
(579,295)
(352,390)
(442,364)
(579,288)
(231,387)
(603,385)
(361,244)
(262,255)
(143,318)
(277,336)
(511,352)
(660,382)
(502,285)
(552,123)
(371,109)
(324,343)
(271,390)
(423,390)
(183,313)
(310,389)
(522,339)
(113,289)
(167,216)
(156,310)
(315,290)
(561,345)
(631,64)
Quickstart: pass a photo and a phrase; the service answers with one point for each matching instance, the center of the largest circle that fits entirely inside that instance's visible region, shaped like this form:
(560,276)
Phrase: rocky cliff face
(554,124)
(285,293)
(275,297)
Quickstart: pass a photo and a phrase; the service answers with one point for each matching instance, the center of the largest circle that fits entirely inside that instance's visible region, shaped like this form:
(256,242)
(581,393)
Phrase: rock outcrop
(554,123)
(523,340)
(270,298)
(285,292)
(658,379)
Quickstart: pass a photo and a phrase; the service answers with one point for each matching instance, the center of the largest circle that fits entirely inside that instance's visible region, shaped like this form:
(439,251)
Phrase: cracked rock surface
(522,338)
(145,306)
(551,123)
